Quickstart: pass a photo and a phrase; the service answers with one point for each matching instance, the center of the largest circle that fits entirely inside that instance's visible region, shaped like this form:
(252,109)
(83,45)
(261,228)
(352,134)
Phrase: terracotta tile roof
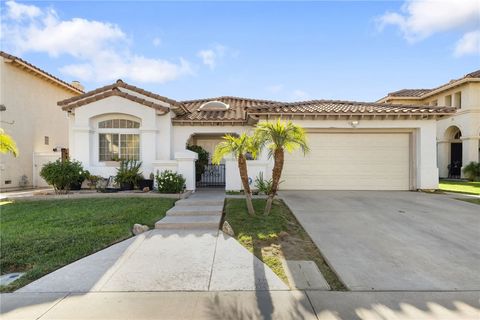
(474,74)
(39,71)
(334,107)
(113,90)
(409,93)
(420,93)
(117,93)
(237,111)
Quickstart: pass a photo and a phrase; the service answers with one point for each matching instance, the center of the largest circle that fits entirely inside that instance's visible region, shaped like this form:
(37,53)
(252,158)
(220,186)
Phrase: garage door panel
(350,161)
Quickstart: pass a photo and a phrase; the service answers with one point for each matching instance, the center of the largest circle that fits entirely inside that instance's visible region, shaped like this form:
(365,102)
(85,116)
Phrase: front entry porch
(208,175)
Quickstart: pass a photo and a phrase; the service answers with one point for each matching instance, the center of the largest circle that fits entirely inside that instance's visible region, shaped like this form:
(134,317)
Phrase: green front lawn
(460,186)
(39,237)
(279,235)
(476,201)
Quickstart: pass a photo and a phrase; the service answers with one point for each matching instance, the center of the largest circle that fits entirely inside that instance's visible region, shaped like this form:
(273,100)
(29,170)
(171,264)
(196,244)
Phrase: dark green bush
(170,182)
(472,171)
(62,174)
(202,160)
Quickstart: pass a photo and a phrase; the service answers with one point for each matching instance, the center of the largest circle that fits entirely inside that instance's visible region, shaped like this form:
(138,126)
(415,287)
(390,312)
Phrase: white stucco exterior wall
(467,119)
(154,133)
(32,114)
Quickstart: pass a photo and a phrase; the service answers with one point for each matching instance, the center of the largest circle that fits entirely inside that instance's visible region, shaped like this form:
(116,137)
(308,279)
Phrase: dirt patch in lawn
(276,237)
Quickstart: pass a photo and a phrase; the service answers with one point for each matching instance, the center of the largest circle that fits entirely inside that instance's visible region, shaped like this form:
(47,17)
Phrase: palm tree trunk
(278,157)
(242,167)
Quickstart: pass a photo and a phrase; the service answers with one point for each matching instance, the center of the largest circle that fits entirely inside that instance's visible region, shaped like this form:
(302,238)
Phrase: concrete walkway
(185,255)
(306,305)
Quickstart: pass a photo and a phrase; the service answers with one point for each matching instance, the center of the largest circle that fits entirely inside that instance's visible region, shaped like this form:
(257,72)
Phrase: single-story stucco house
(354,145)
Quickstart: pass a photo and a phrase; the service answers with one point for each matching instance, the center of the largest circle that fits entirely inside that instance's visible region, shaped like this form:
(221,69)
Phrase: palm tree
(7,144)
(239,146)
(279,137)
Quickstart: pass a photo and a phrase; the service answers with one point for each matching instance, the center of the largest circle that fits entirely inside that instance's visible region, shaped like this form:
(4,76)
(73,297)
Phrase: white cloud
(102,49)
(19,11)
(419,19)
(210,57)
(468,44)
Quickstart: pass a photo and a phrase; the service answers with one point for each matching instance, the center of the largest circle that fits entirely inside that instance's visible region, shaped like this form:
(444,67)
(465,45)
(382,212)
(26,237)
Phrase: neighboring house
(29,113)
(458,135)
(354,145)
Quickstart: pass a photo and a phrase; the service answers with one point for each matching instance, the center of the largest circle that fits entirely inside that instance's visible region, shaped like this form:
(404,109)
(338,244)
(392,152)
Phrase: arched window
(118,124)
(118,139)
(214,106)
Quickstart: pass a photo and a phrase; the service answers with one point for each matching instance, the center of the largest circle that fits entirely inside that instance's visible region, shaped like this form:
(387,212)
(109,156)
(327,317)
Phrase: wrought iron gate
(214,176)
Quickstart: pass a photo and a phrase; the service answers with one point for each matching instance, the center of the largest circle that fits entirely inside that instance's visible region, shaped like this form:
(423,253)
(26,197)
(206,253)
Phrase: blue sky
(350,50)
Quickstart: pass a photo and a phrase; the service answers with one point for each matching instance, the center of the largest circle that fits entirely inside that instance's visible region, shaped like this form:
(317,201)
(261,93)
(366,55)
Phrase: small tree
(279,137)
(7,144)
(239,147)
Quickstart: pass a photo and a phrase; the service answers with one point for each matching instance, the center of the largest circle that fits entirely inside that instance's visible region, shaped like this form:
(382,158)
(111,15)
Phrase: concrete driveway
(393,240)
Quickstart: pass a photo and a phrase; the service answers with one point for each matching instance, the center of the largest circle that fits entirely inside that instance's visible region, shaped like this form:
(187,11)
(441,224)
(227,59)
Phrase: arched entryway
(207,174)
(453,135)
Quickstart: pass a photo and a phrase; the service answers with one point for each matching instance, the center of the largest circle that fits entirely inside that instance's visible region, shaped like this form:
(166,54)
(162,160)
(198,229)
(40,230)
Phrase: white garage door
(350,161)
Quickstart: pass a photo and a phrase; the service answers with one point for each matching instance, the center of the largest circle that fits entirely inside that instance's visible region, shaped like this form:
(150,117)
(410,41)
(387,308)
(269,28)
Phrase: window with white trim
(114,145)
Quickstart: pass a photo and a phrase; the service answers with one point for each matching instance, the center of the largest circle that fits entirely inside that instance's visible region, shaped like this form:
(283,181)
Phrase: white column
(232,175)
(427,171)
(443,153)
(186,166)
(469,150)
(147,150)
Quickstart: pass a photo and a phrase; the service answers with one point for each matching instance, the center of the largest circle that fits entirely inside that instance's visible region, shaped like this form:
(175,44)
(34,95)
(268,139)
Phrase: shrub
(472,171)
(128,172)
(262,185)
(62,174)
(202,161)
(170,182)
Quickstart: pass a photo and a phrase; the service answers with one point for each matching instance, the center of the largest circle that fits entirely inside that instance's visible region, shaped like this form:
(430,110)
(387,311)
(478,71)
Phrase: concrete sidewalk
(243,305)
(164,260)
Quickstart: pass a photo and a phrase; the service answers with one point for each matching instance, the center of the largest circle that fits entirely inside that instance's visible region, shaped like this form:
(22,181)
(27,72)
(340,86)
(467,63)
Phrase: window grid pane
(119,146)
(118,124)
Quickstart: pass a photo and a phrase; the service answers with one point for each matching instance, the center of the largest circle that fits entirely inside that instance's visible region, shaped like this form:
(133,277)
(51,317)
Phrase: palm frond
(284,135)
(7,144)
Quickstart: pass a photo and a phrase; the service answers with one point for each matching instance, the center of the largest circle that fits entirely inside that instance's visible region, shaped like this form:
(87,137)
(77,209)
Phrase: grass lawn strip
(460,186)
(38,237)
(476,201)
(279,235)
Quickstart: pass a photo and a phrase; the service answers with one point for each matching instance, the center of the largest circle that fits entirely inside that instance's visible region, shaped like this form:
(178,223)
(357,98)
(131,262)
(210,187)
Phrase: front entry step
(195,211)
(199,202)
(188,222)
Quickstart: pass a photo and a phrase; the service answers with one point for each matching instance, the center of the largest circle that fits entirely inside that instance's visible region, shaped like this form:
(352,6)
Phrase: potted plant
(128,174)
(145,183)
